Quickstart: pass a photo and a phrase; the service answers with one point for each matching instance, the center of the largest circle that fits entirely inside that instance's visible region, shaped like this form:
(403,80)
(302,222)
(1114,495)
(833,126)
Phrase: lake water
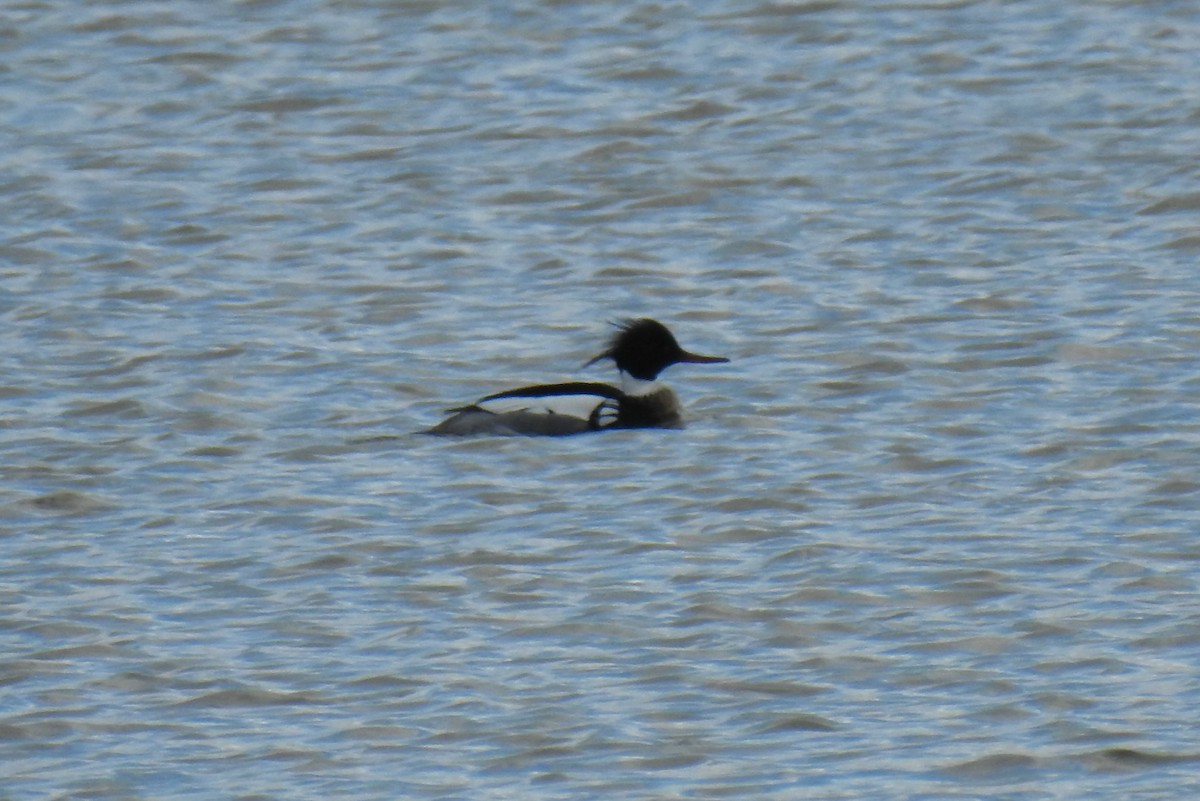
(932,533)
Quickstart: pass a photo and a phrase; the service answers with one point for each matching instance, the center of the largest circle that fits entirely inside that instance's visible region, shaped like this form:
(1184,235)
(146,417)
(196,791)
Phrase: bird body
(641,349)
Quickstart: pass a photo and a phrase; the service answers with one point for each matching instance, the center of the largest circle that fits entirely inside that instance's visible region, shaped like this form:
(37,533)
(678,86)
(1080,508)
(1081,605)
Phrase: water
(931,534)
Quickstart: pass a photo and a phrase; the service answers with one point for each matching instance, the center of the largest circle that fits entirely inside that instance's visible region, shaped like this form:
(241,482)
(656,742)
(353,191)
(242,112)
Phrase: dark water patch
(1182,243)
(129,408)
(1136,759)
(1002,768)
(1189,201)
(797,723)
(70,502)
(775,688)
(287,104)
(207,59)
(249,698)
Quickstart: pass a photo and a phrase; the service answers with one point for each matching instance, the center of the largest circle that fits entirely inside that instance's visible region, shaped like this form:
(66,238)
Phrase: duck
(641,349)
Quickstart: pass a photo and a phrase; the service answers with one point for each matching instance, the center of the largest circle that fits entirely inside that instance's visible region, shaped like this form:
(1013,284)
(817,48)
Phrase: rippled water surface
(931,534)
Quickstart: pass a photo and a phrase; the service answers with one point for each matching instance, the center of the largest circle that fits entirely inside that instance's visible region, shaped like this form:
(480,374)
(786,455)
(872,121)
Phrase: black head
(644,348)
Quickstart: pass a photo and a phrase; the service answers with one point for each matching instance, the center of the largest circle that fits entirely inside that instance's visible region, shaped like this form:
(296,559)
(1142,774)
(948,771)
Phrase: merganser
(641,350)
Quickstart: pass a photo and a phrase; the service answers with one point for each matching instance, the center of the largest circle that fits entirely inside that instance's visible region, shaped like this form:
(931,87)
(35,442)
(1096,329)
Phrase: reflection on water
(931,531)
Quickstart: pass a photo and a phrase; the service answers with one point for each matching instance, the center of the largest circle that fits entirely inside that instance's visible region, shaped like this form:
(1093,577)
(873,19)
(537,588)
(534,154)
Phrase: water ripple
(930,534)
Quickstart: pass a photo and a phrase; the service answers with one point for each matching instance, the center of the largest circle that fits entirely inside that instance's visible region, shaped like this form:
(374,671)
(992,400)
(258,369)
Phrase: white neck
(637,387)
